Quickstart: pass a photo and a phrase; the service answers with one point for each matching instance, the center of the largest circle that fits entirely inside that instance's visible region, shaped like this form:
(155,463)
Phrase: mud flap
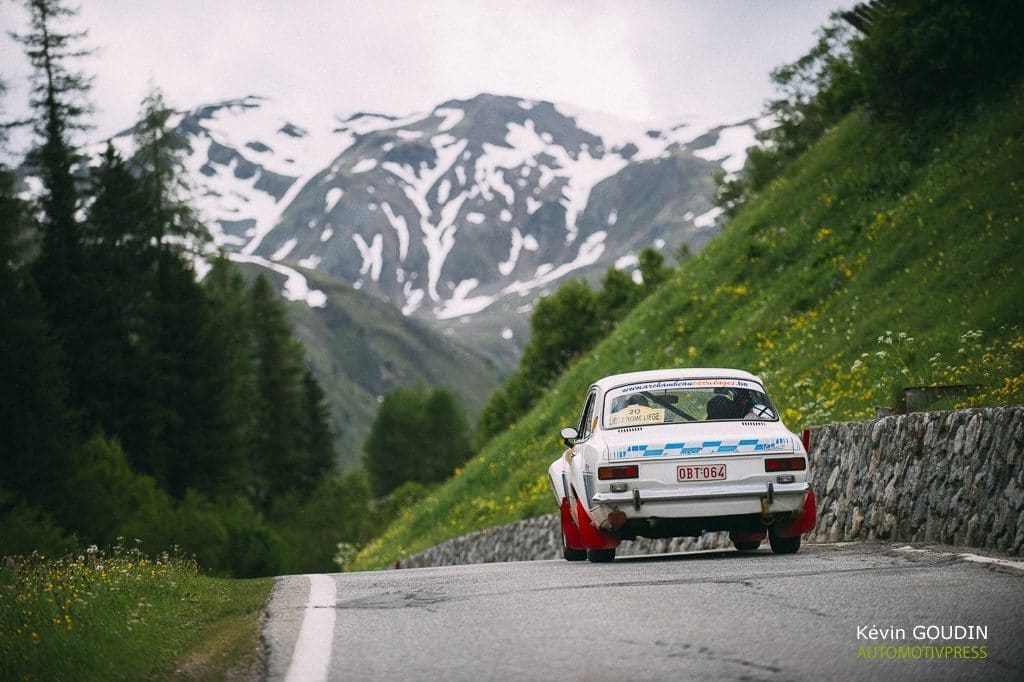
(569,529)
(802,521)
(590,536)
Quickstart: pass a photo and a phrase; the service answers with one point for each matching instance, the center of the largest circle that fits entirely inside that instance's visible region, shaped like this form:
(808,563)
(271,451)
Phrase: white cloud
(644,59)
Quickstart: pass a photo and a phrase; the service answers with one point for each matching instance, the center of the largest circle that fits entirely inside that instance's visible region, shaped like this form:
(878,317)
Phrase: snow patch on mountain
(334,195)
(461,304)
(731,148)
(591,249)
(496,178)
(296,288)
(707,219)
(373,260)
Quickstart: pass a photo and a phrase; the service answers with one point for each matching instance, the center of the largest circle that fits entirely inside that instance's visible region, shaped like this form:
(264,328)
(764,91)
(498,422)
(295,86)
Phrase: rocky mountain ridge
(461,215)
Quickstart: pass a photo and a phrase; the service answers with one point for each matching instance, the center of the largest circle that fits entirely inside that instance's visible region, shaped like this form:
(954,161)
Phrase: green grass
(124,616)
(875,262)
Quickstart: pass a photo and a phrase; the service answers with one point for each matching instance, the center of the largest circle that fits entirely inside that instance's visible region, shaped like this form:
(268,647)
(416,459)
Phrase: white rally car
(677,452)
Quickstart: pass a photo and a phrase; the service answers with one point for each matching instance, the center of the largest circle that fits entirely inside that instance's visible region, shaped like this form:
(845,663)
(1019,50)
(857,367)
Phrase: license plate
(701,472)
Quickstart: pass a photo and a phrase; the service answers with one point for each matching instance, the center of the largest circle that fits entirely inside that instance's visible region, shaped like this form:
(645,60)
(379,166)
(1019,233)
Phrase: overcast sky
(646,60)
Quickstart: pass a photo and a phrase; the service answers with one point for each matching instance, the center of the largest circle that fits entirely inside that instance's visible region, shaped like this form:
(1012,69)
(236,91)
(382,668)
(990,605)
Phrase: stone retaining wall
(950,477)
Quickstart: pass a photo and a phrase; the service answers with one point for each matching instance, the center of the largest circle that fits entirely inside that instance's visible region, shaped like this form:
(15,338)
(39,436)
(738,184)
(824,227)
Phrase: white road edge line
(967,556)
(311,658)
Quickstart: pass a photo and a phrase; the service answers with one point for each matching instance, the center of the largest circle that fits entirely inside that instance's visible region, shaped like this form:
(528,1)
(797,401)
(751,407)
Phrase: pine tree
(653,270)
(417,435)
(277,412)
(317,439)
(446,435)
(59,103)
(114,281)
(392,453)
(36,425)
(159,157)
(229,329)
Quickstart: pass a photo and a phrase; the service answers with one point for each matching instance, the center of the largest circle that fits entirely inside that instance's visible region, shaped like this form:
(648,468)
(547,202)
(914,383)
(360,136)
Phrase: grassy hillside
(874,263)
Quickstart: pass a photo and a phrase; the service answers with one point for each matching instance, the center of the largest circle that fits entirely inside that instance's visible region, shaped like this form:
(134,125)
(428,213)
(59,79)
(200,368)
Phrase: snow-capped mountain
(476,206)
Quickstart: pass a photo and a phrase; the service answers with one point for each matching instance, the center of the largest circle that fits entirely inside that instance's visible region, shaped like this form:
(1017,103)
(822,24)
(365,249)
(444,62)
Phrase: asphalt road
(712,615)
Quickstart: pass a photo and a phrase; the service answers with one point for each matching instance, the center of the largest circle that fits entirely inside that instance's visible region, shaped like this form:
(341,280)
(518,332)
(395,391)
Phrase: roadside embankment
(954,478)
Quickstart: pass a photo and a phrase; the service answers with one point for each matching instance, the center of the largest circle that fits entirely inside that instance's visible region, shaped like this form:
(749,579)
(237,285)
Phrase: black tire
(748,546)
(783,545)
(600,556)
(571,553)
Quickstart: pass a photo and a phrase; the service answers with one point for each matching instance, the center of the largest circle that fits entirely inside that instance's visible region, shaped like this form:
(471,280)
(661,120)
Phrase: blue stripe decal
(710,447)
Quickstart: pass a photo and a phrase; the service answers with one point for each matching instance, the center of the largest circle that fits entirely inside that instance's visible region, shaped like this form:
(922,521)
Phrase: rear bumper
(706,500)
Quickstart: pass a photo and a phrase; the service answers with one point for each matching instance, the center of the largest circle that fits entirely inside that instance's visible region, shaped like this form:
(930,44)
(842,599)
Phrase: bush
(26,528)
(922,56)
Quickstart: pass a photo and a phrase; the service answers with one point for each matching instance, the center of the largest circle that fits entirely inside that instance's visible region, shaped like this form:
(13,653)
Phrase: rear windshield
(686,400)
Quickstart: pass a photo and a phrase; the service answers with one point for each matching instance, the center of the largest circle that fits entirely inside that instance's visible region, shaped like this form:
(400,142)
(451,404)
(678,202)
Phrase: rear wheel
(746,546)
(601,555)
(783,545)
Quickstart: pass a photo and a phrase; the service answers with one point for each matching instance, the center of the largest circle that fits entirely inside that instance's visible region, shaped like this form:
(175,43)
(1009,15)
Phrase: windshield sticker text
(636,415)
(691,383)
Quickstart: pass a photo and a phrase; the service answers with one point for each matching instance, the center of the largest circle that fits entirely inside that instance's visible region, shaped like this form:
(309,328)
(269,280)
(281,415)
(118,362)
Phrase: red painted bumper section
(802,521)
(588,536)
(585,535)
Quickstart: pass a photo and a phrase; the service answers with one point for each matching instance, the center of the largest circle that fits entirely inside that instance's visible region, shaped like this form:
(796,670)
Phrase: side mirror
(569,436)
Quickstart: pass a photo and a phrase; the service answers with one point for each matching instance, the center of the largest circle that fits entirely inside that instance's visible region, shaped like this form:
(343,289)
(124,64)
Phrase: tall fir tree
(114,279)
(233,380)
(60,106)
(317,439)
(417,435)
(278,364)
(36,424)
(173,222)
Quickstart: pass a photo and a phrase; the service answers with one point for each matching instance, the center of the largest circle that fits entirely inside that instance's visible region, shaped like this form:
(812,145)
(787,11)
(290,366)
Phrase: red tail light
(627,471)
(785,464)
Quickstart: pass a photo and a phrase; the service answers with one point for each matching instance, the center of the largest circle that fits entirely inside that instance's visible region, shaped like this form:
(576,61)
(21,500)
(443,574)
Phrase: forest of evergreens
(137,399)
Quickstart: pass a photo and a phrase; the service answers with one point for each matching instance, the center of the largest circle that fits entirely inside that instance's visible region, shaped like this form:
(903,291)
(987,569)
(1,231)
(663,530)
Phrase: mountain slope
(479,203)
(870,265)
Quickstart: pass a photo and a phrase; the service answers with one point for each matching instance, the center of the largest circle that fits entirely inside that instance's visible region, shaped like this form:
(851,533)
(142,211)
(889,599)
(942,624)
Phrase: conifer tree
(278,365)
(417,435)
(159,157)
(229,329)
(317,439)
(36,426)
(107,360)
(59,102)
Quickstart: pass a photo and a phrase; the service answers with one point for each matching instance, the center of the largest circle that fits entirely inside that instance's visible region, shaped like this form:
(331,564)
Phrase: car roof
(614,380)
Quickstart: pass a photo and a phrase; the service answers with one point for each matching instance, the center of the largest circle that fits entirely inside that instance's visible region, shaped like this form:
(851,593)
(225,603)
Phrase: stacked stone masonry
(954,478)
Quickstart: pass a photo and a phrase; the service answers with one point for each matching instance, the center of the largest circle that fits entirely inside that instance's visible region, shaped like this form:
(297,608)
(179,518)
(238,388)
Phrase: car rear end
(699,478)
